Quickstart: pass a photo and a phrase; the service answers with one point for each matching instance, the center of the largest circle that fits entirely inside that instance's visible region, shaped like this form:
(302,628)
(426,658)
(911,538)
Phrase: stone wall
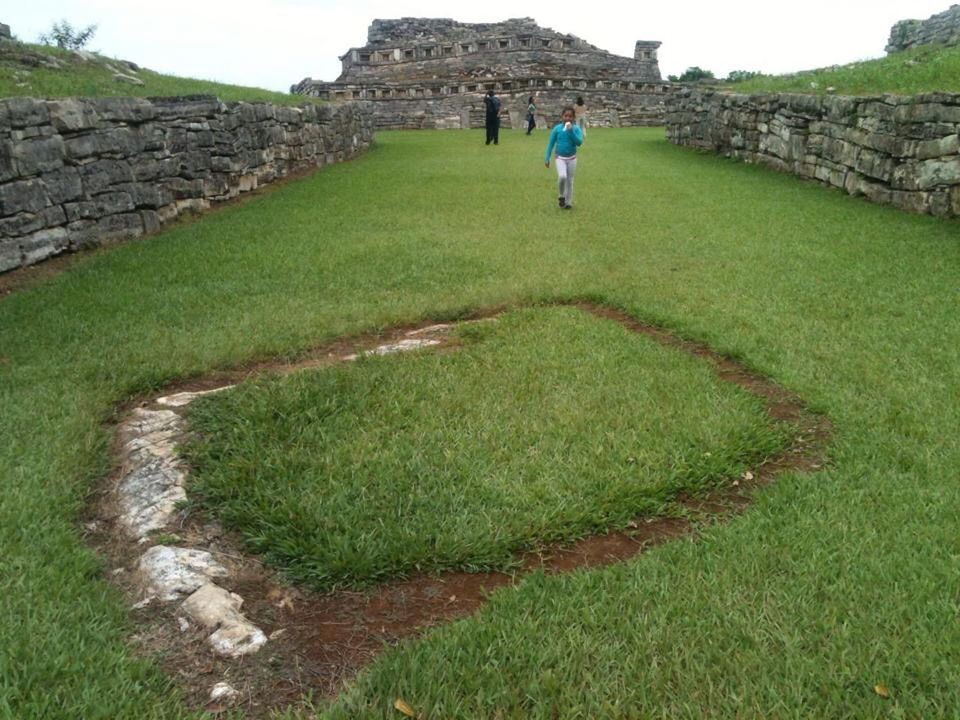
(903,151)
(415,106)
(77,173)
(942,28)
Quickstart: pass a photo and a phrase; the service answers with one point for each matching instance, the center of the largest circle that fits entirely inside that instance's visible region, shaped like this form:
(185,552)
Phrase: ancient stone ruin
(943,28)
(433,73)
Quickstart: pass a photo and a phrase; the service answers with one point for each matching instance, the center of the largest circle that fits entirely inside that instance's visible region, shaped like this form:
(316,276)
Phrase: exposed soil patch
(319,640)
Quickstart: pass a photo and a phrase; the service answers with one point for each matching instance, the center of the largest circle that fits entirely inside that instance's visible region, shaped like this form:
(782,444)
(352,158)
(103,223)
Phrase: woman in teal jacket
(566,137)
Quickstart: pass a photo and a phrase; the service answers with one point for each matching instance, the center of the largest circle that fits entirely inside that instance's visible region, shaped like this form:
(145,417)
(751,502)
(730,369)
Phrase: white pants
(566,169)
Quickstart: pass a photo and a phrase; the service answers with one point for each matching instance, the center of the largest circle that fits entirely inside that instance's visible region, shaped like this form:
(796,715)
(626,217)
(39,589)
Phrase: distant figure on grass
(531,115)
(492,104)
(580,110)
(566,137)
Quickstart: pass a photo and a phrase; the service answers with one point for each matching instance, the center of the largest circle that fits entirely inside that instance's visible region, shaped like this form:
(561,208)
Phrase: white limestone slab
(170,573)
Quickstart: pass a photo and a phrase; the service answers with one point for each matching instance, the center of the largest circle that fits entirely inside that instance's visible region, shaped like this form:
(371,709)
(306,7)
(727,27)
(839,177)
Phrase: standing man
(492,104)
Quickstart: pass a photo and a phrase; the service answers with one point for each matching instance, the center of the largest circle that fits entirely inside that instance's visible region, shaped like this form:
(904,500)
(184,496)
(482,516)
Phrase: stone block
(948,145)
(43,244)
(71,115)
(170,573)
(8,169)
(63,185)
(38,155)
(920,112)
(147,195)
(83,146)
(23,196)
(125,109)
(100,175)
(23,112)
(54,216)
(120,227)
(931,173)
(82,234)
(111,203)
(11,256)
(198,139)
(144,168)
(195,107)
(151,221)
(182,188)
(21,224)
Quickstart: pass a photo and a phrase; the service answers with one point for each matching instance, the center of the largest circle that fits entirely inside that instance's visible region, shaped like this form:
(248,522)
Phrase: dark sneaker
(561,201)
(567,207)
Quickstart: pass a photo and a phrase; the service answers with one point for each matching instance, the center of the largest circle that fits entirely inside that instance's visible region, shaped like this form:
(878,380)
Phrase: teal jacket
(566,141)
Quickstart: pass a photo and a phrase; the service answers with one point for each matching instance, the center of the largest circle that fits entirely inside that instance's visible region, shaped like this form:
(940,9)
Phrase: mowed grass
(546,425)
(93,78)
(829,585)
(925,69)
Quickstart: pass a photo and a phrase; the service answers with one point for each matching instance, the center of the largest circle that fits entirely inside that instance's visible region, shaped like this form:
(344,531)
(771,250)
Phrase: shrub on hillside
(64,35)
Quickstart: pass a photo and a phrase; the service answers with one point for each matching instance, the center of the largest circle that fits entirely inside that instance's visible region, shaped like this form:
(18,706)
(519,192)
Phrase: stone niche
(433,73)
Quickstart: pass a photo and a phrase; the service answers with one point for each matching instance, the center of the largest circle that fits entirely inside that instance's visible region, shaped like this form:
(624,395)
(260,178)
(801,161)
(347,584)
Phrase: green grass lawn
(548,424)
(930,68)
(830,584)
(92,78)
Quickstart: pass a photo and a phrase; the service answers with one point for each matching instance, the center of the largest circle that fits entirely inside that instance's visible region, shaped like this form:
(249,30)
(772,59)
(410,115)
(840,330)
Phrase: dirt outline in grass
(326,638)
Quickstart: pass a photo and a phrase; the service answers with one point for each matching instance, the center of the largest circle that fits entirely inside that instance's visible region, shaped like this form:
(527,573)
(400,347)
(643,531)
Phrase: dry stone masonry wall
(903,151)
(77,173)
(433,73)
(943,28)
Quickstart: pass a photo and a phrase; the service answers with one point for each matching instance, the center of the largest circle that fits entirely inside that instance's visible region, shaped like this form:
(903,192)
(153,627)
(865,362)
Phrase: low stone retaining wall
(897,150)
(78,173)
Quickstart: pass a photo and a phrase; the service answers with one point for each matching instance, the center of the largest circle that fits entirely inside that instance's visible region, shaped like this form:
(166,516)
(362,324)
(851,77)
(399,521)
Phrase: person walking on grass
(531,115)
(580,111)
(492,106)
(566,137)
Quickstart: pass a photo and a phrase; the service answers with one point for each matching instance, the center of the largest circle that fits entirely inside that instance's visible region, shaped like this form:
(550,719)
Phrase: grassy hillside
(932,68)
(41,71)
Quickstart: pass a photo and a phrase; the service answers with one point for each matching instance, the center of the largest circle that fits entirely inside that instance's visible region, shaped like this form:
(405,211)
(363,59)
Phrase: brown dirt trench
(319,640)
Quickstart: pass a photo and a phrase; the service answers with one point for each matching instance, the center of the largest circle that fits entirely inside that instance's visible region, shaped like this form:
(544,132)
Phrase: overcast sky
(276,43)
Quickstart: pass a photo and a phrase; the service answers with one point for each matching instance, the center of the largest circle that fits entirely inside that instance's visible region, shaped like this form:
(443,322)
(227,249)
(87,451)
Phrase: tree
(63,34)
(736,76)
(692,74)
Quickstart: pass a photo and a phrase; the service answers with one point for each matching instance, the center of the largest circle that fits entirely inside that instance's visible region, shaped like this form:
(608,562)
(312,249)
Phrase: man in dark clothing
(492,103)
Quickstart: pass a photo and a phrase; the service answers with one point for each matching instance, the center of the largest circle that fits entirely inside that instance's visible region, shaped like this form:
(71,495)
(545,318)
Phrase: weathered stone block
(151,221)
(100,175)
(8,169)
(63,185)
(54,216)
(192,106)
(111,203)
(931,173)
(24,112)
(71,115)
(21,224)
(120,227)
(11,256)
(949,145)
(927,112)
(43,244)
(23,196)
(39,155)
(125,109)
(147,195)
(183,188)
